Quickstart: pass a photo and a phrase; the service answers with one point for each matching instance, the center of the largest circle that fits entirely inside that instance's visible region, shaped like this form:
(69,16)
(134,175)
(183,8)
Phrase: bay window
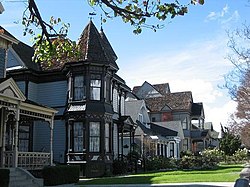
(95,87)
(78,136)
(94,136)
(107,137)
(79,92)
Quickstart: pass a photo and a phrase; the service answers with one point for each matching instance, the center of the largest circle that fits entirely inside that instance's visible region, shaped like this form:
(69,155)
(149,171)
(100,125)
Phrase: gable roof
(161,88)
(95,47)
(176,101)
(163,130)
(134,107)
(7,36)
(26,53)
(10,90)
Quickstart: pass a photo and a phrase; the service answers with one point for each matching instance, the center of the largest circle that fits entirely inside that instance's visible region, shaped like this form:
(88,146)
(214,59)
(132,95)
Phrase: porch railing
(28,160)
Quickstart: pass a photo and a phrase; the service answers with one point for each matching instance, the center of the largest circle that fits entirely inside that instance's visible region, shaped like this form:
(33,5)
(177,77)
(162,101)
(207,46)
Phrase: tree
(229,143)
(238,82)
(135,12)
(52,45)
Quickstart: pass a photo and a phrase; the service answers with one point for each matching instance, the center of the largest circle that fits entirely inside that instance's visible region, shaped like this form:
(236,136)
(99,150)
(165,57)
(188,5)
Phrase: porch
(27,160)
(17,118)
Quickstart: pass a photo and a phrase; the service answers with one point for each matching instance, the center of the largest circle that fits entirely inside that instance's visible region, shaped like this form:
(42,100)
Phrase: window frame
(81,87)
(107,137)
(93,87)
(27,139)
(81,135)
(94,137)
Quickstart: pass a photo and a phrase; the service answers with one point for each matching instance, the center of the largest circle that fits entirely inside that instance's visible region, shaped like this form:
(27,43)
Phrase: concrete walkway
(201,184)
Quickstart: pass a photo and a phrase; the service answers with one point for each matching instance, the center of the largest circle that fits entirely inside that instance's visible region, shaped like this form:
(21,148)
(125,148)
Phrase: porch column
(156,146)
(51,139)
(16,137)
(3,122)
(122,142)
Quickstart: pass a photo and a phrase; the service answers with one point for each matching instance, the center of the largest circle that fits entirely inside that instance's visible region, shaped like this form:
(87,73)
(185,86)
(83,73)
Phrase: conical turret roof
(96,48)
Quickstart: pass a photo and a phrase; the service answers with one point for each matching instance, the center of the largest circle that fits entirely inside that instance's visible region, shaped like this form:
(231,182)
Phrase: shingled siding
(2,62)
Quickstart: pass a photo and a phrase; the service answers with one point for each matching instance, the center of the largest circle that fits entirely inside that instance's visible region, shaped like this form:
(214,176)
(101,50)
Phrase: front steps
(22,178)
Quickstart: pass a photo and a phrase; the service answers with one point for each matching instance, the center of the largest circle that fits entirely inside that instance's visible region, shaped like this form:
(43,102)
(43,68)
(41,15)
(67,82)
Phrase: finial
(91,14)
(101,24)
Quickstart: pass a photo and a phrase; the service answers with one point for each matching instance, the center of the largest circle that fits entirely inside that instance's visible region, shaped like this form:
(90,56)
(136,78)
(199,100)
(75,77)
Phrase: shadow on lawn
(118,180)
(138,181)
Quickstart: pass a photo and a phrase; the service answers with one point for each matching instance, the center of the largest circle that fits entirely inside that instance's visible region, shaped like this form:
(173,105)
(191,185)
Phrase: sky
(190,52)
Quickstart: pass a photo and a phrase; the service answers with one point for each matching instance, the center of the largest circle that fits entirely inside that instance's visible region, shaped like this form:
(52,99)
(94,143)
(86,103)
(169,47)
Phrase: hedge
(4,177)
(62,174)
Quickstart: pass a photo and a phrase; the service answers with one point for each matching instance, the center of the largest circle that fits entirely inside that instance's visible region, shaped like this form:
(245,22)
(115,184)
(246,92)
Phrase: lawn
(225,173)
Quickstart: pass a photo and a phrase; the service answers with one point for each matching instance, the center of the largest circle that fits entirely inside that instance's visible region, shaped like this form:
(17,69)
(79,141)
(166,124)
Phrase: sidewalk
(200,184)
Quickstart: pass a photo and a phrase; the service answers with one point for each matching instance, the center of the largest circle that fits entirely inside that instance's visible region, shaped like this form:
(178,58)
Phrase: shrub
(157,163)
(56,175)
(120,167)
(4,177)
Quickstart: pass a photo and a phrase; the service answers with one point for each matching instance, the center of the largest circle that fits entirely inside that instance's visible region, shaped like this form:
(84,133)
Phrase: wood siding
(21,86)
(2,62)
(41,139)
(52,93)
(59,142)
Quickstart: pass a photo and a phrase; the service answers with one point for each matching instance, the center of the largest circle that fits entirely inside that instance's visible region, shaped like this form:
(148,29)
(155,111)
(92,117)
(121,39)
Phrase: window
(153,119)
(107,89)
(171,149)
(94,136)
(141,118)
(78,136)
(107,137)
(24,137)
(184,124)
(95,87)
(79,88)
(185,144)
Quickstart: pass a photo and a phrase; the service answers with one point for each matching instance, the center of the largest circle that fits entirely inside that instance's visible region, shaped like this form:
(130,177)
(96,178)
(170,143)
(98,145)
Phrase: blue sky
(189,52)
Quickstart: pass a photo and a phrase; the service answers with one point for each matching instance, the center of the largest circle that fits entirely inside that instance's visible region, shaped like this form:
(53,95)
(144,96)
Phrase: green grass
(225,173)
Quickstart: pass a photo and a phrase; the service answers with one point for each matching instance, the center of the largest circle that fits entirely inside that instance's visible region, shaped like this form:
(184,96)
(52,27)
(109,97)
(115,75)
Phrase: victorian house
(89,97)
(176,111)
(18,117)
(152,139)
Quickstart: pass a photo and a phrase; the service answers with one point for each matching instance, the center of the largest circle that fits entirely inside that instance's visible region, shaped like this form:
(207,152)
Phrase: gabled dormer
(146,91)
(6,40)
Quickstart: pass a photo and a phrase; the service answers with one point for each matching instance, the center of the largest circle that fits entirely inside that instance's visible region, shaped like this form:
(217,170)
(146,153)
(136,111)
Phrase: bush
(162,163)
(120,167)
(4,177)
(56,175)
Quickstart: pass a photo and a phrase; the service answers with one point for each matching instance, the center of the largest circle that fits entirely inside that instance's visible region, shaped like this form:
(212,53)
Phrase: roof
(172,125)
(163,130)
(176,101)
(7,36)
(197,109)
(156,130)
(26,53)
(161,88)
(95,47)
